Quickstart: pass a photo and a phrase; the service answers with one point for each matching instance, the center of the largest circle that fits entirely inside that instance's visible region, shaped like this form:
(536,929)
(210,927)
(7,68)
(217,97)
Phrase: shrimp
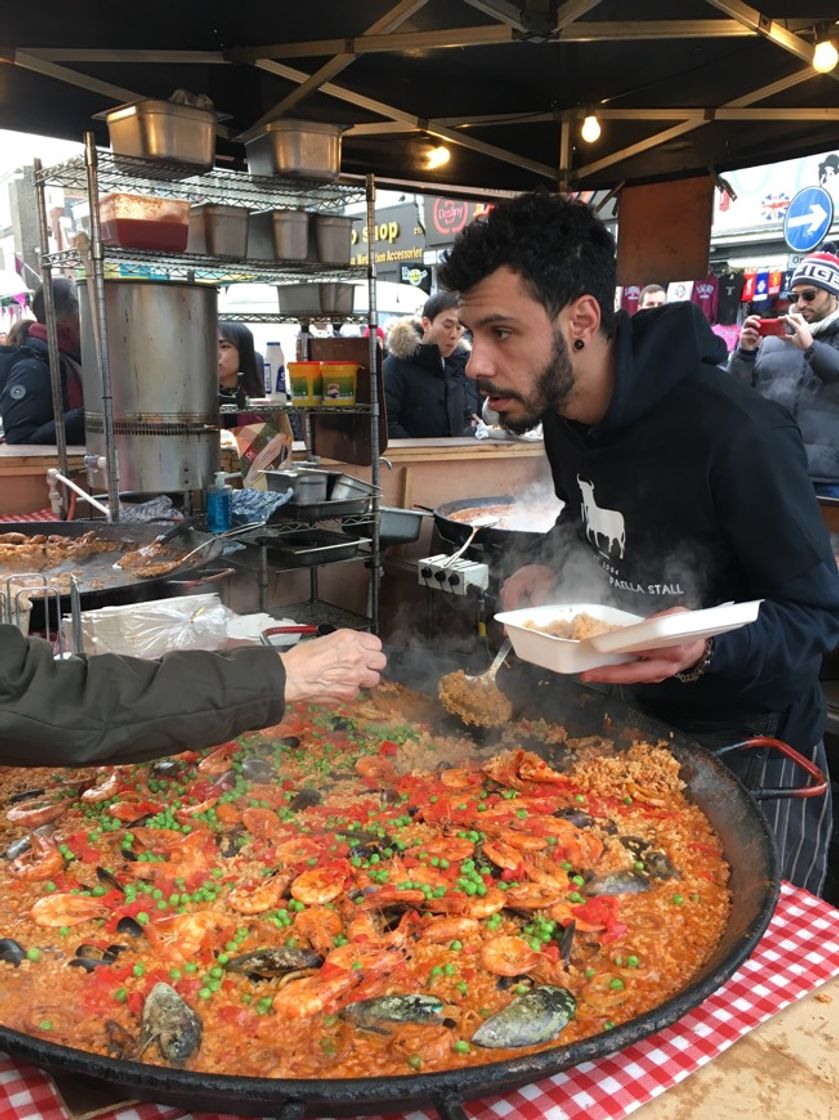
(107,787)
(255,898)
(42,812)
(58,910)
(429,1042)
(450,847)
(502,855)
(298,850)
(532,768)
(187,934)
(187,812)
(461,779)
(319,926)
(546,872)
(320,884)
(376,770)
(133,806)
(392,896)
(469,906)
(313,995)
(508,956)
(262,824)
(218,761)
(441,930)
(368,928)
(43,860)
(534,896)
(363,958)
(525,841)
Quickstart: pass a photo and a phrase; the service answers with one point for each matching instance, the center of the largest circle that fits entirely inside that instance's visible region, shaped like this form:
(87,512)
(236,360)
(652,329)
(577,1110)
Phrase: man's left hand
(801,336)
(654,665)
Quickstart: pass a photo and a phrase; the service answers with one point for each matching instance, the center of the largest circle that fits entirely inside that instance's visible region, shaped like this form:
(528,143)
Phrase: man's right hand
(530,586)
(332,669)
(749,334)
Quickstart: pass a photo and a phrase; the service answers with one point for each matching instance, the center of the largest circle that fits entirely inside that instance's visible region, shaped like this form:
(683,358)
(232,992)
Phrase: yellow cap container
(339,383)
(306,383)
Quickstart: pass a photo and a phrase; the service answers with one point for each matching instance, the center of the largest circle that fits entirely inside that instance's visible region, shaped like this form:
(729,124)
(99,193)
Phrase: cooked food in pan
(349,895)
(512,515)
(475,700)
(578,628)
(23,553)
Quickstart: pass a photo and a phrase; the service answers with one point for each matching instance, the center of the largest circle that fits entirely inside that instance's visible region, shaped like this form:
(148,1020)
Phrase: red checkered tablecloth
(799,951)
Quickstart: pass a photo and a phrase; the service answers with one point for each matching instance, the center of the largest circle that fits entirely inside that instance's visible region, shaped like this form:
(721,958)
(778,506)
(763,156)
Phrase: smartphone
(776,327)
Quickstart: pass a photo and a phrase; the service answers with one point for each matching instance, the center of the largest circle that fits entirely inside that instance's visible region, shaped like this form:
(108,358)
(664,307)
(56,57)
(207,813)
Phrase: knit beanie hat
(819,269)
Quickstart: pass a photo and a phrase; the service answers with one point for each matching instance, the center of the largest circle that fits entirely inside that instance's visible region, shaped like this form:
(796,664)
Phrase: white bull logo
(606,523)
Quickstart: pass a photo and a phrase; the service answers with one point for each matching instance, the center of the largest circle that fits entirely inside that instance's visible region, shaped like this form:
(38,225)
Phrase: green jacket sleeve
(126,709)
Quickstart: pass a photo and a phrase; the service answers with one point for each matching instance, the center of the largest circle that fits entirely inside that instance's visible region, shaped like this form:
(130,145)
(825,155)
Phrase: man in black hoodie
(707,481)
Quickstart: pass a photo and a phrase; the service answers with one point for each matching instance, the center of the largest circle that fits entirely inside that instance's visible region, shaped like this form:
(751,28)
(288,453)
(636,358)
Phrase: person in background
(801,368)
(25,389)
(426,388)
(653,295)
(683,489)
(19,332)
(127,709)
(240,376)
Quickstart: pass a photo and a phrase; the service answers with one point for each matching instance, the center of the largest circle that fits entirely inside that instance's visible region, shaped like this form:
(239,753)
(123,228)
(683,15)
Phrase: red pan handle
(817,789)
(196,581)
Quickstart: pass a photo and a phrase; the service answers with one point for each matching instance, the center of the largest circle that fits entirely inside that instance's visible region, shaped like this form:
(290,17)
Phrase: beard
(551,388)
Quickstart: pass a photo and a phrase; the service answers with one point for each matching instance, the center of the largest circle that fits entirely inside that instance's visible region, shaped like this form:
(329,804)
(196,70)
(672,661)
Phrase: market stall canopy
(504,85)
(12,285)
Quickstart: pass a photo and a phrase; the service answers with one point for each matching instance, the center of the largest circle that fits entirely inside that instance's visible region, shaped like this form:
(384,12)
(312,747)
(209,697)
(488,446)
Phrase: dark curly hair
(559,247)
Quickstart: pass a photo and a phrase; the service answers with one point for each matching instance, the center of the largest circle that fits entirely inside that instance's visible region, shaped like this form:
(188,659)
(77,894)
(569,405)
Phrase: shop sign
(397,237)
(446,217)
(763,194)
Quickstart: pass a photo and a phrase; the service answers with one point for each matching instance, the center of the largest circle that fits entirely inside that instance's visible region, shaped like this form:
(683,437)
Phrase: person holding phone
(794,360)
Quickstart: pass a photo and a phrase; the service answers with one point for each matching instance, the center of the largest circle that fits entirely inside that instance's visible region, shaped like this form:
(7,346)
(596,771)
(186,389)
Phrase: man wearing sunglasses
(801,368)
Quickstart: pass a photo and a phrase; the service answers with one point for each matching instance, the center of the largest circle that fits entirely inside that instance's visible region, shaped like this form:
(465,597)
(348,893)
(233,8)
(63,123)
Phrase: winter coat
(426,395)
(26,396)
(693,491)
(807,383)
(126,709)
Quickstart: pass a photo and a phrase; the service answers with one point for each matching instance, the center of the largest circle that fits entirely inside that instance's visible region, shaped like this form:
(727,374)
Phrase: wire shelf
(154,264)
(290,406)
(289,317)
(218,185)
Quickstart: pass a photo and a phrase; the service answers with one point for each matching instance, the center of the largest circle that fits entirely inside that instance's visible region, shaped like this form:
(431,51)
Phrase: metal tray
(307,548)
(319,511)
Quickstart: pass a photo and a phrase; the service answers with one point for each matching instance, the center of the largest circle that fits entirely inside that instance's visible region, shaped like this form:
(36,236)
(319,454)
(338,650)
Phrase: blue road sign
(808,218)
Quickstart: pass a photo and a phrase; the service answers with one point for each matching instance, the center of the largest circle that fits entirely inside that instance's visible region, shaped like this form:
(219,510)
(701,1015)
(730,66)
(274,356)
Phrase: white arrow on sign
(814,219)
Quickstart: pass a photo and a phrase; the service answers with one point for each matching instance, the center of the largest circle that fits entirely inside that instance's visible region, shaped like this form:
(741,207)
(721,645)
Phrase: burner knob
(440,576)
(454,580)
(425,572)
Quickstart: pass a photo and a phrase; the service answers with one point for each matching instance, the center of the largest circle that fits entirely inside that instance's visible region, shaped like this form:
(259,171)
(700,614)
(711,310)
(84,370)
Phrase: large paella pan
(255,769)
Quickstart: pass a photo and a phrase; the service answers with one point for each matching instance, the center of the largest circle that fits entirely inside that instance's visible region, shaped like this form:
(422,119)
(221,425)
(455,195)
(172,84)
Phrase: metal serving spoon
(476,698)
(485,522)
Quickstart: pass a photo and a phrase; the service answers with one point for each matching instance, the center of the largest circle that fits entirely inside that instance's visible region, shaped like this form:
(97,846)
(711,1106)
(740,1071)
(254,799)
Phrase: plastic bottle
(220,505)
(275,357)
(268,379)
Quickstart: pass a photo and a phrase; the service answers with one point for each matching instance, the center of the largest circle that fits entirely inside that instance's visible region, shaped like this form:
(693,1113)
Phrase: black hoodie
(697,494)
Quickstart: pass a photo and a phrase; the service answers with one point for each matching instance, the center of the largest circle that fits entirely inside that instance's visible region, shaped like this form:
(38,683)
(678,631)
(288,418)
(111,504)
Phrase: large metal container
(334,238)
(279,235)
(220,231)
(292,147)
(314,300)
(163,130)
(163,348)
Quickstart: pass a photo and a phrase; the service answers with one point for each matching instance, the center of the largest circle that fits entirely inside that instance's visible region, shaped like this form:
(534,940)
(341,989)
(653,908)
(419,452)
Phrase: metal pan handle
(450,1106)
(817,789)
(210,577)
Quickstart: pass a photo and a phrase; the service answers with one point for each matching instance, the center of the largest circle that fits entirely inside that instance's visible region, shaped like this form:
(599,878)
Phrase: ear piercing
(578,344)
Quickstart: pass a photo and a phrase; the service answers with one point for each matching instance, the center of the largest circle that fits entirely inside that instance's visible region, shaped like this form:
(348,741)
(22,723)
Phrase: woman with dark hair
(239,373)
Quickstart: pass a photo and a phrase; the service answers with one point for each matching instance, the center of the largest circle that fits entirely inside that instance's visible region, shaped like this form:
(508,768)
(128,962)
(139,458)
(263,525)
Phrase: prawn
(508,956)
(534,896)
(376,770)
(58,910)
(461,778)
(320,884)
(218,761)
(262,824)
(320,926)
(441,930)
(298,850)
(187,933)
(255,898)
(187,812)
(107,787)
(43,860)
(313,995)
(42,812)
(450,847)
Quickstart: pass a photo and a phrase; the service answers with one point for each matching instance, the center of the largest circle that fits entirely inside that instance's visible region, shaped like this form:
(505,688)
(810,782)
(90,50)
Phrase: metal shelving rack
(98,172)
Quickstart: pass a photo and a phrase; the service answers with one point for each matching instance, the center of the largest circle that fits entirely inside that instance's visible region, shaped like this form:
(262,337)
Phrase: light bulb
(437,157)
(591,129)
(825,56)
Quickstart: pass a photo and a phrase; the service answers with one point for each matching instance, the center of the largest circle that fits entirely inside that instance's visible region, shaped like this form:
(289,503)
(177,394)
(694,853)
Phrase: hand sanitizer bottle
(220,505)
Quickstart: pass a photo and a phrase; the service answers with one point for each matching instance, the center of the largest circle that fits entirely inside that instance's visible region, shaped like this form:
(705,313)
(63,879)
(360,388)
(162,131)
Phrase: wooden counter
(786,1069)
(23,471)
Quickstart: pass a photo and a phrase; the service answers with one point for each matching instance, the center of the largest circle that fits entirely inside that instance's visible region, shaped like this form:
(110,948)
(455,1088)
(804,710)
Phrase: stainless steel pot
(163,130)
(293,147)
(163,349)
(221,231)
(279,235)
(333,234)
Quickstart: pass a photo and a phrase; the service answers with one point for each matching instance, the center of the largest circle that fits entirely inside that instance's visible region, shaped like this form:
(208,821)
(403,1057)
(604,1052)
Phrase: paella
(353,893)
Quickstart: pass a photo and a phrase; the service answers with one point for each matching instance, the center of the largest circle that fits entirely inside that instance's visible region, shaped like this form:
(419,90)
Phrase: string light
(825,57)
(591,129)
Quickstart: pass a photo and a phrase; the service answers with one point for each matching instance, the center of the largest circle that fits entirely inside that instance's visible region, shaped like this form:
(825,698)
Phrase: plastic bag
(156,627)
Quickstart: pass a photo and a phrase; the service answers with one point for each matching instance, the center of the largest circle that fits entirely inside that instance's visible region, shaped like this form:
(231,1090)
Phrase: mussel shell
(290,741)
(537,1016)
(25,795)
(416,1008)
(264,963)
(171,1022)
(635,844)
(659,866)
(89,963)
(578,817)
(129,926)
(108,879)
(565,941)
(228,843)
(11,951)
(18,847)
(619,882)
(120,1042)
(258,770)
(305,799)
(165,768)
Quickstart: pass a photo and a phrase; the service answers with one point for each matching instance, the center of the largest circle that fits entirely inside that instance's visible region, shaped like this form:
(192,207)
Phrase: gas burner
(455,577)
